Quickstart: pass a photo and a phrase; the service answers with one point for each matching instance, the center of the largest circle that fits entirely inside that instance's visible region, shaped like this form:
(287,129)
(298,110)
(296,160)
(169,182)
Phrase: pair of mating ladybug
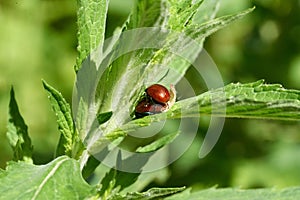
(157,99)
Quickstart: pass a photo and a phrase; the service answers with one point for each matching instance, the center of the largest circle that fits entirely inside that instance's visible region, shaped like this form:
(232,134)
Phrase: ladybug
(158,93)
(157,99)
(147,107)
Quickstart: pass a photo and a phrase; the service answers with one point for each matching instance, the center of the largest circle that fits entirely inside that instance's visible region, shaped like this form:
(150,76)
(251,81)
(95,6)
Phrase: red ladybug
(147,107)
(157,99)
(158,93)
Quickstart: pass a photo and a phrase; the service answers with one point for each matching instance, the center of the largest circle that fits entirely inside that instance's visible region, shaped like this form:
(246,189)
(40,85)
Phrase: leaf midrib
(50,174)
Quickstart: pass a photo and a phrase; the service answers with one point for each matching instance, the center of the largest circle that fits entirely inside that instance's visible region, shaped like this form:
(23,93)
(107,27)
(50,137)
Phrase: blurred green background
(38,41)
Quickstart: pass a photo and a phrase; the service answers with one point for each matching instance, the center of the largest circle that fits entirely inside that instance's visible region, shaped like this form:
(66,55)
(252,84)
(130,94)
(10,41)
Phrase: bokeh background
(38,41)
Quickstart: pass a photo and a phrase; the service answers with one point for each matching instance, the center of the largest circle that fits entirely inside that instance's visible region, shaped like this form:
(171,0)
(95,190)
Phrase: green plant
(110,89)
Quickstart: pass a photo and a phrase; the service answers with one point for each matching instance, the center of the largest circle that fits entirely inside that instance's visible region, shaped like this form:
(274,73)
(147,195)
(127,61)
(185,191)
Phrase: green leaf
(145,179)
(237,194)
(251,100)
(145,13)
(116,180)
(152,193)
(91,19)
(64,119)
(181,13)
(171,14)
(200,31)
(60,179)
(206,11)
(108,183)
(104,117)
(157,144)
(258,100)
(90,166)
(17,133)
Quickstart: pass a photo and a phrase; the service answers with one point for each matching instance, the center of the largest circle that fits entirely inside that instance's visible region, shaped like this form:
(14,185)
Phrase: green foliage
(59,179)
(146,65)
(107,96)
(17,132)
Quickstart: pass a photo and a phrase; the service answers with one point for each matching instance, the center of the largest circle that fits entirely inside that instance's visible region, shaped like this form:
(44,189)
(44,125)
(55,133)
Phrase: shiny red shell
(158,93)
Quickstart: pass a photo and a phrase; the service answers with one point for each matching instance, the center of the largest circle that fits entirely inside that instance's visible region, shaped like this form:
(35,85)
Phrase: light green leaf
(64,119)
(237,194)
(157,144)
(60,179)
(91,19)
(17,133)
(152,193)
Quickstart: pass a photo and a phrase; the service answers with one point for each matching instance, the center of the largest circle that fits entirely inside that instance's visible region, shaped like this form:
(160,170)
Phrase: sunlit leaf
(91,19)
(59,179)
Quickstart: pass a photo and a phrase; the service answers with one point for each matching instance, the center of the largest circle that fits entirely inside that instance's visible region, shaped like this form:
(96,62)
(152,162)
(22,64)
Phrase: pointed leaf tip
(17,132)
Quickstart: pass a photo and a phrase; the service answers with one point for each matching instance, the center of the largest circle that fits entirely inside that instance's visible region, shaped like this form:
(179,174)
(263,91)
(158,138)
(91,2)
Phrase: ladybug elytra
(158,93)
(146,107)
(157,99)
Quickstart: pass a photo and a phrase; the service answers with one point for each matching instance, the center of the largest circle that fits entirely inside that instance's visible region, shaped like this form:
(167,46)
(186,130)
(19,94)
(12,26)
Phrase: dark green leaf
(104,117)
(90,167)
(17,133)
(108,183)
